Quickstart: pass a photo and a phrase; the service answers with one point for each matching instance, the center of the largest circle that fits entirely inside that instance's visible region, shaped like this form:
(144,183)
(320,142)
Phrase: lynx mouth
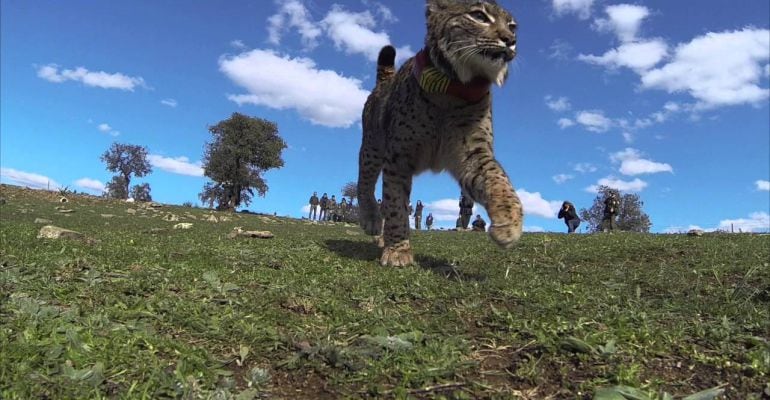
(498,54)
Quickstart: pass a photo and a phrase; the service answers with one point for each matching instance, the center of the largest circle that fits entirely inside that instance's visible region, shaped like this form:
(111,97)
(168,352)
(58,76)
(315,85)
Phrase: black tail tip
(387,56)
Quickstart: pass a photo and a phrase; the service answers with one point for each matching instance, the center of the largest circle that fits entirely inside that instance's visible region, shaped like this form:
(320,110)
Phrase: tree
(116,188)
(141,192)
(350,190)
(242,149)
(631,217)
(126,160)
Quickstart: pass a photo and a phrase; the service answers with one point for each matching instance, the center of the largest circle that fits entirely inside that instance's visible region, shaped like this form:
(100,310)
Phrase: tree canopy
(141,192)
(241,150)
(631,217)
(350,190)
(125,160)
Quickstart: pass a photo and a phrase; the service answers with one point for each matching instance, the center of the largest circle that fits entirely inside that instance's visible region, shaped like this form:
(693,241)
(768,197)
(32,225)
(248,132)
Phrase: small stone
(212,218)
(183,225)
(170,218)
(107,216)
(66,211)
(131,211)
(54,232)
(43,221)
(63,200)
(695,232)
(155,205)
(239,232)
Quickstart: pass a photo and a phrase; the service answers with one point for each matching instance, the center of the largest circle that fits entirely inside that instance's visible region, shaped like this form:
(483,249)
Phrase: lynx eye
(479,16)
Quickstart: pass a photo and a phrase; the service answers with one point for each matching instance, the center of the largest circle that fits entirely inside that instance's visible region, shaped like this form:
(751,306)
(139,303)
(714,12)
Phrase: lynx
(435,114)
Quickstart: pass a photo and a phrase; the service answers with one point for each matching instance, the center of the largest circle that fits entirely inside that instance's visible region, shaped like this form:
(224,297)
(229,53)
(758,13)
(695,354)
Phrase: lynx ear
(435,5)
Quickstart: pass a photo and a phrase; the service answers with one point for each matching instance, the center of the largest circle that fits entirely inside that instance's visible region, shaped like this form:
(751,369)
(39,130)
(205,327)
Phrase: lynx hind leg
(369,167)
(485,180)
(396,188)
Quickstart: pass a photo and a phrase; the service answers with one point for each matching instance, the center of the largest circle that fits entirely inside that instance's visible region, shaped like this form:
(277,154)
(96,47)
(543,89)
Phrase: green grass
(136,313)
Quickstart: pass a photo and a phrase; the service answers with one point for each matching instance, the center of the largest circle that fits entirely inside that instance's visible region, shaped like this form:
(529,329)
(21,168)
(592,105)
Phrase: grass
(141,310)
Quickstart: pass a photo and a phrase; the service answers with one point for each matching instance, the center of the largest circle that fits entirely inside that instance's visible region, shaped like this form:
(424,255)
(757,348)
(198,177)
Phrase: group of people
(330,209)
(610,212)
(466,211)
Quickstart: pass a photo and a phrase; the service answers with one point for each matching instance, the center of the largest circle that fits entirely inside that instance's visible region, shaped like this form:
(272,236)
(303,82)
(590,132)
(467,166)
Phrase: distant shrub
(188,204)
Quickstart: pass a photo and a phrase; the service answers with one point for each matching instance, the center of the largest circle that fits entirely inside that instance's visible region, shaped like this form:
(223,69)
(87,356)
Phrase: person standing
(479,225)
(466,210)
(611,208)
(324,208)
(313,206)
(343,209)
(332,209)
(418,215)
(570,216)
(429,221)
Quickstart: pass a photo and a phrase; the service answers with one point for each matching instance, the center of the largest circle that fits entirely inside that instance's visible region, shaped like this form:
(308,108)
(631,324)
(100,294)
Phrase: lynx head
(470,39)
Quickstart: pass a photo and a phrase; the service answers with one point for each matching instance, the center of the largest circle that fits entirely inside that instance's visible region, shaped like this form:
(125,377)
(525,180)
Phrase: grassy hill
(138,309)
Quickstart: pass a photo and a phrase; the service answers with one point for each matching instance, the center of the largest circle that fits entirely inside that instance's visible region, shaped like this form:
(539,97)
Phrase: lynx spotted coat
(435,114)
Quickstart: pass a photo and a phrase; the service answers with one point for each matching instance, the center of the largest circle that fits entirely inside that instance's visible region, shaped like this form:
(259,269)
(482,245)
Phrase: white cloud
(90,184)
(28,179)
(178,165)
(681,229)
(628,137)
(533,229)
(581,8)
(169,102)
(717,69)
(763,185)
(280,82)
(106,128)
(638,56)
(632,163)
(99,79)
(557,104)
(560,50)
(594,121)
(238,44)
(353,33)
(305,210)
(293,14)
(623,20)
(585,168)
(565,123)
(637,185)
(561,178)
(535,204)
(757,222)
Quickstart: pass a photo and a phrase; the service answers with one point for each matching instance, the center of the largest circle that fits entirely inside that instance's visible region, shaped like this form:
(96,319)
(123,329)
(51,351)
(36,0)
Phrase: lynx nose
(509,39)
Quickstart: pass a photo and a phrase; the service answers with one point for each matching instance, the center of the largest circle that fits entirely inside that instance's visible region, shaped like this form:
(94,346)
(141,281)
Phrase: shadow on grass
(369,251)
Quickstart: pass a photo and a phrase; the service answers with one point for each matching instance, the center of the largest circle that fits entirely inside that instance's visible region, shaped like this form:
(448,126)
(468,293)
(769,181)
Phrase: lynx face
(477,38)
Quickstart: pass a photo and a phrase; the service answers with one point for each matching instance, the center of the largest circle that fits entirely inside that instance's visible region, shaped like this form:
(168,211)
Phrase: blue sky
(667,99)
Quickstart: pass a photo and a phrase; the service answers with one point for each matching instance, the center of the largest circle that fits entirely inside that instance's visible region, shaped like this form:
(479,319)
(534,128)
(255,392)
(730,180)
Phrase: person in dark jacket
(324,208)
(466,210)
(313,206)
(611,209)
(479,225)
(429,221)
(570,216)
(418,215)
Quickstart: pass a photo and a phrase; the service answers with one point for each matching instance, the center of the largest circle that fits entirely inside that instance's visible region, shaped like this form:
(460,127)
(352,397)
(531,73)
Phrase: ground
(138,309)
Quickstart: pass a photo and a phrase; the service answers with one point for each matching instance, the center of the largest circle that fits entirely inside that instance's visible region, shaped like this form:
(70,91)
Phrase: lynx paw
(505,235)
(397,255)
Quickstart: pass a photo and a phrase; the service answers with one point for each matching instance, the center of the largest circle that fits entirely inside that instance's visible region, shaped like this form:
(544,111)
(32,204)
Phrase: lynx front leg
(396,188)
(484,179)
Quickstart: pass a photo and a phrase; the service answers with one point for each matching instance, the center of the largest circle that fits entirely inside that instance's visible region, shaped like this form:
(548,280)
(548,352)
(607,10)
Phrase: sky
(665,99)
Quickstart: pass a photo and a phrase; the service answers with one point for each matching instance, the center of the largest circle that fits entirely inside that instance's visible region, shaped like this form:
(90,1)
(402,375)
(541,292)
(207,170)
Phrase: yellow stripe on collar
(433,81)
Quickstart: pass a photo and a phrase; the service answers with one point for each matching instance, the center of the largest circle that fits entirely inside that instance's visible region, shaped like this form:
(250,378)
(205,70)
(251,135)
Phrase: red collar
(432,80)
